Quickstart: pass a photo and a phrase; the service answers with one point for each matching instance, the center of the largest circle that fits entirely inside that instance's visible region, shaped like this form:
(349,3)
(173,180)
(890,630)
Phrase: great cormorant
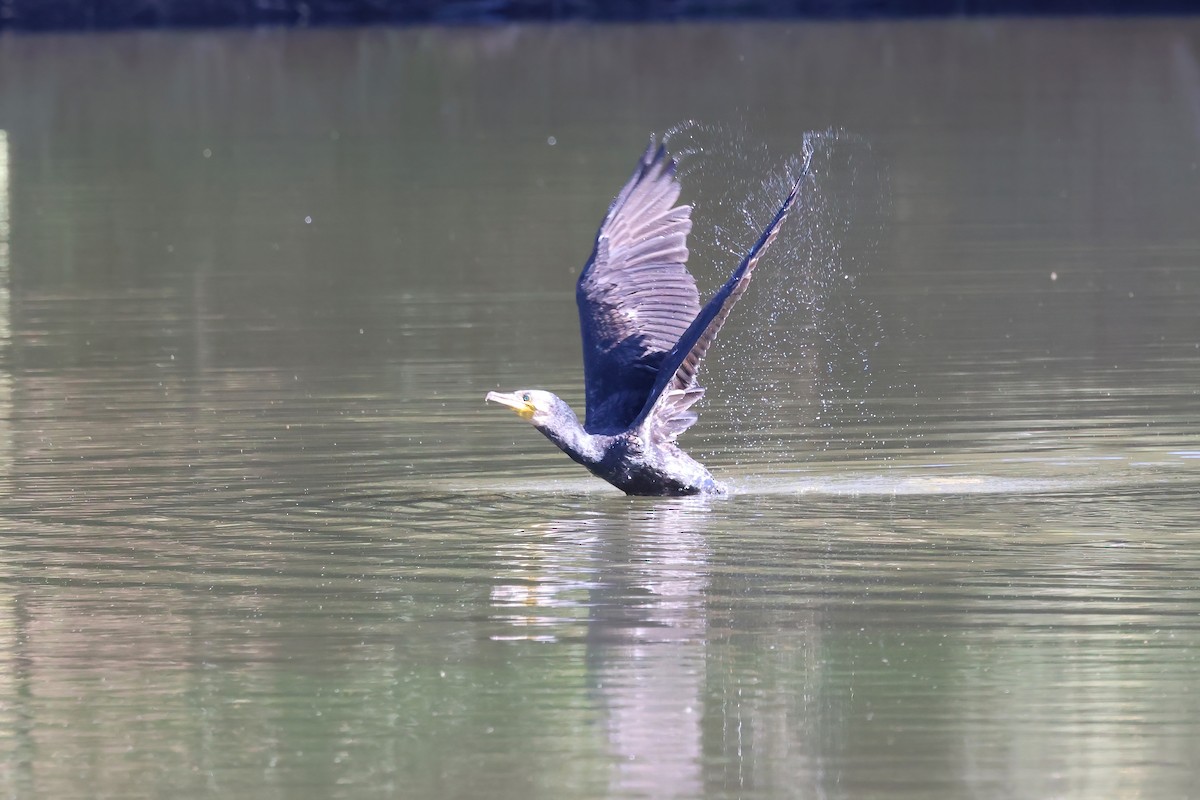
(644,337)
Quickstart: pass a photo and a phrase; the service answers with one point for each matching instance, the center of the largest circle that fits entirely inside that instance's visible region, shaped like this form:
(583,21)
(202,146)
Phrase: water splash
(794,370)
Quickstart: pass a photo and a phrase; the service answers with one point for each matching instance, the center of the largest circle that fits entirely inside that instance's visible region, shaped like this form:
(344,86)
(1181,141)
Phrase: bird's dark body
(626,459)
(662,470)
(644,337)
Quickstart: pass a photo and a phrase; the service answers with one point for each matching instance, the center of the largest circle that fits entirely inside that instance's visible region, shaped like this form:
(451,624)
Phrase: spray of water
(792,374)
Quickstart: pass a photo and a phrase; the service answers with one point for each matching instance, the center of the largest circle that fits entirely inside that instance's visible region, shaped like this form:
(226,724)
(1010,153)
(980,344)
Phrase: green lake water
(260,536)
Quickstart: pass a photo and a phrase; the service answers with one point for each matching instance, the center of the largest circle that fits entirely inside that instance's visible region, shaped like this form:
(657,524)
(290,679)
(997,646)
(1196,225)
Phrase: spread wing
(635,296)
(667,410)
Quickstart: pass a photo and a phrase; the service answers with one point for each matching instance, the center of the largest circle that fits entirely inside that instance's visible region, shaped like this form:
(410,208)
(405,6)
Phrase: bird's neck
(573,440)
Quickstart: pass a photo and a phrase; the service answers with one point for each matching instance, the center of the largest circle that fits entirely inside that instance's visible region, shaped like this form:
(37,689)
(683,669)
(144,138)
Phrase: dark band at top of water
(93,14)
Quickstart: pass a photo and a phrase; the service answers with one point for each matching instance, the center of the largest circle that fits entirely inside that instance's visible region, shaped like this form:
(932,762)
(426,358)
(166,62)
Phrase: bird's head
(534,405)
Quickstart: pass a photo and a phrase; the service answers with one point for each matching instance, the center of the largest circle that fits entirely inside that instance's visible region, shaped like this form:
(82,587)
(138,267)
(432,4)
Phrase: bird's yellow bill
(513,401)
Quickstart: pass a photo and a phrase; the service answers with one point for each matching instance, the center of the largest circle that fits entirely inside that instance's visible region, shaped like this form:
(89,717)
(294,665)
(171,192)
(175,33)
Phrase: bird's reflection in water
(633,584)
(646,649)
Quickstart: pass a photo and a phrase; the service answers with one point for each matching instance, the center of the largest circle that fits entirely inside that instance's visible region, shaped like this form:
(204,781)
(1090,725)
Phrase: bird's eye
(525,397)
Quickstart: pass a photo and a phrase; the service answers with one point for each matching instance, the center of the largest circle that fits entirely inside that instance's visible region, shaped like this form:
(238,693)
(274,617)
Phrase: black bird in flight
(644,338)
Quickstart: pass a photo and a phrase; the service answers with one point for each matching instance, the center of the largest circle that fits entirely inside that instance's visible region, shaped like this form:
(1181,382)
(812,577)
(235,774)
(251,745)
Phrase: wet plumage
(645,336)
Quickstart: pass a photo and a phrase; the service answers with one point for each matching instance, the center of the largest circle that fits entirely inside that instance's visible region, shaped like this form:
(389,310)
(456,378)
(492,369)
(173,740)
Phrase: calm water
(261,537)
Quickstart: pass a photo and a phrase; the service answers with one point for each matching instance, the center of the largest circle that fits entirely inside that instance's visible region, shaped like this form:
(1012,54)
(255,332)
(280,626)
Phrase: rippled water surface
(261,537)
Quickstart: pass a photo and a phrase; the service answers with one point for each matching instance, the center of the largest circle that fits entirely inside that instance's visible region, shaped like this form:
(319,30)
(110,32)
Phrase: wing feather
(667,413)
(635,295)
